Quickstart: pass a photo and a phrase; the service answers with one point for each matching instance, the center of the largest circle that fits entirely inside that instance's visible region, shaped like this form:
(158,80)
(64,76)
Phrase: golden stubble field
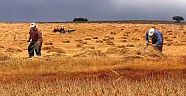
(98,59)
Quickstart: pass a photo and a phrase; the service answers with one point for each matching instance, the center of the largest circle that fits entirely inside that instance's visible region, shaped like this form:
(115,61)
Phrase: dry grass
(96,60)
(96,87)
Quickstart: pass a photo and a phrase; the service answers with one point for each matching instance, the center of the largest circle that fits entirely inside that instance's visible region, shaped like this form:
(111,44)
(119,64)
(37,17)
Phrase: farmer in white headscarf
(35,40)
(156,37)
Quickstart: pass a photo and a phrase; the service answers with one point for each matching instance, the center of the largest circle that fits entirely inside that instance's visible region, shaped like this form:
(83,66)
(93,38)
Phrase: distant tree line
(80,20)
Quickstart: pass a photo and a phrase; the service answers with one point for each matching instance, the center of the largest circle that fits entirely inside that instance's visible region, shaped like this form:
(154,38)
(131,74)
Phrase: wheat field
(97,59)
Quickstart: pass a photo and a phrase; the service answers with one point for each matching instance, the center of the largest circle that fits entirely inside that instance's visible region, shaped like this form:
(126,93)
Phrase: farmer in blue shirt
(156,38)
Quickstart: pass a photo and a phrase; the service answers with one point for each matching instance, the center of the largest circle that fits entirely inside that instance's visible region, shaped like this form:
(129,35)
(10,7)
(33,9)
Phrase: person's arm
(29,36)
(40,38)
(160,39)
(147,37)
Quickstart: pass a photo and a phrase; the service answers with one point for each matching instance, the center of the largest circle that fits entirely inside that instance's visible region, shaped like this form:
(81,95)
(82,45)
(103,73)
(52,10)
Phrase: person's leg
(31,49)
(38,50)
(160,48)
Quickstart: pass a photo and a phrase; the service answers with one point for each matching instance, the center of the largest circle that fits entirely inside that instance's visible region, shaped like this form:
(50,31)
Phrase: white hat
(32,25)
(151,31)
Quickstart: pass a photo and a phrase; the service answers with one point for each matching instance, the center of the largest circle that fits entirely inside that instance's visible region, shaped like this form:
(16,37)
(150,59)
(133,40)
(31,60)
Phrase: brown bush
(78,40)
(113,33)
(87,38)
(13,50)
(135,39)
(94,37)
(123,40)
(173,37)
(48,48)
(129,45)
(57,50)
(79,45)
(66,41)
(109,42)
(169,44)
(123,37)
(2,46)
(111,38)
(48,43)
(53,49)
(99,41)
(83,42)
(105,39)
(169,40)
(121,46)
(170,34)
(126,35)
(184,33)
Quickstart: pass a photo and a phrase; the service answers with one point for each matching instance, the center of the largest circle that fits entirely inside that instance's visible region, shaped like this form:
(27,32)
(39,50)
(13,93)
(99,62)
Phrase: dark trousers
(160,48)
(34,46)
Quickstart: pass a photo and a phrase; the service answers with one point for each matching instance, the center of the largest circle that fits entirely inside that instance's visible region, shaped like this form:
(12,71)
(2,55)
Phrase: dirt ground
(115,42)
(105,51)
(98,36)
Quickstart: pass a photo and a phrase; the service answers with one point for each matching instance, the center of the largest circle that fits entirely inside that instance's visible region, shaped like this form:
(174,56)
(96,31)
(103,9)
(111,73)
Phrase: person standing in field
(35,39)
(156,37)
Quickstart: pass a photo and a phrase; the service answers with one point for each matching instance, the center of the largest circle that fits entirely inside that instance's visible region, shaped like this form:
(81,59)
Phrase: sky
(66,10)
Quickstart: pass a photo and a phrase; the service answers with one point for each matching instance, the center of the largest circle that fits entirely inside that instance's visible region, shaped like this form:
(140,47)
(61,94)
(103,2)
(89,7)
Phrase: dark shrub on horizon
(80,20)
(178,18)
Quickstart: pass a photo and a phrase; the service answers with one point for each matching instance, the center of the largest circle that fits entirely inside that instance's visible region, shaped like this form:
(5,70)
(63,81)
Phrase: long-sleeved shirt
(35,35)
(157,37)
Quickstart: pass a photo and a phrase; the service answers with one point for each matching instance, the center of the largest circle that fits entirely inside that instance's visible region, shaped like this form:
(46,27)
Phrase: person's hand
(147,43)
(154,45)
(38,42)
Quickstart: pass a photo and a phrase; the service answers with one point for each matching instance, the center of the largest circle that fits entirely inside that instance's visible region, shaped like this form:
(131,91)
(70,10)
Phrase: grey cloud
(66,10)
(149,9)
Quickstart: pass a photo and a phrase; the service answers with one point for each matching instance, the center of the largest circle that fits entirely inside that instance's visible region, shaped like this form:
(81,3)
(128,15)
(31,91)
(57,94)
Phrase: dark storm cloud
(66,10)
(149,9)
(52,10)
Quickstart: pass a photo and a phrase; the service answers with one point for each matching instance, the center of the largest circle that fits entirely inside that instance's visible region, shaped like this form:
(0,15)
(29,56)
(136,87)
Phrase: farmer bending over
(156,38)
(36,41)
